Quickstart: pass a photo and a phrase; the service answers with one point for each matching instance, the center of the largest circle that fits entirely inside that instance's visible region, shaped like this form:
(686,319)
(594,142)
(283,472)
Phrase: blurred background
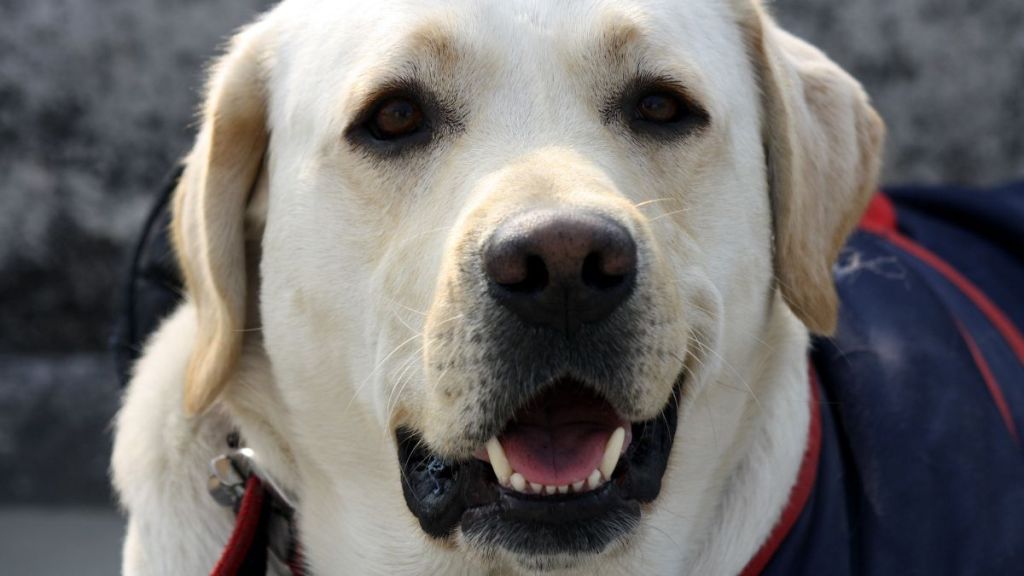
(96,104)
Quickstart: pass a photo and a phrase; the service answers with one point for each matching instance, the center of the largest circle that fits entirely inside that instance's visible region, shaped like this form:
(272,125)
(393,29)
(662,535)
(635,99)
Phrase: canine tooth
(549,490)
(578,486)
(563,489)
(594,480)
(537,488)
(502,469)
(611,452)
(518,482)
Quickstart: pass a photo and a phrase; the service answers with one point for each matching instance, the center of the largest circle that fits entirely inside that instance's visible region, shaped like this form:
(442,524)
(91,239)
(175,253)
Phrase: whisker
(426,233)
(383,360)
(403,322)
(732,369)
(399,384)
(702,365)
(707,312)
(667,214)
(649,202)
(373,372)
(666,534)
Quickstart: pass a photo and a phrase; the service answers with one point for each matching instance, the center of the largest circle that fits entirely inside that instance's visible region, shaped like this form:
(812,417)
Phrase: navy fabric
(959,224)
(919,473)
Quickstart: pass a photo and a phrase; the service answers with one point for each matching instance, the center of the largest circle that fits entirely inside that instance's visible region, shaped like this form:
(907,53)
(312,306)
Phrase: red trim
(800,492)
(881,219)
(880,216)
(987,307)
(246,524)
(990,381)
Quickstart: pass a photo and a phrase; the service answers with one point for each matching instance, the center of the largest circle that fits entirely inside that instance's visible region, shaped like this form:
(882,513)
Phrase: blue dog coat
(920,466)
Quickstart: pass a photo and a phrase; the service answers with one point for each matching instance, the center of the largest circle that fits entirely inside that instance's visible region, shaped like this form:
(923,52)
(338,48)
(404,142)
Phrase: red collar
(800,492)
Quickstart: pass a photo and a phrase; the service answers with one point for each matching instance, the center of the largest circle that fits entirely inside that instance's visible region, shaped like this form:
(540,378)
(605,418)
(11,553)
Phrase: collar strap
(801,490)
(264,534)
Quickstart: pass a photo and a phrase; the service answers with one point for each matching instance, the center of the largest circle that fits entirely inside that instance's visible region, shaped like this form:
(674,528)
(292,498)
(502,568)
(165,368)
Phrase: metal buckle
(228,475)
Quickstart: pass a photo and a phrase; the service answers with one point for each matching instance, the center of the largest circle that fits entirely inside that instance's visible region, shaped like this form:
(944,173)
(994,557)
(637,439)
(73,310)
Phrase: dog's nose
(561,268)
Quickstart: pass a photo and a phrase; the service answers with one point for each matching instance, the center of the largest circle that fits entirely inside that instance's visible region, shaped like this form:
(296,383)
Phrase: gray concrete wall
(96,101)
(947,76)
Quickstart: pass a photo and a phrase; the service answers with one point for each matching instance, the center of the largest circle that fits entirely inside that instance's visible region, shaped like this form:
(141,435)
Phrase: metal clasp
(228,476)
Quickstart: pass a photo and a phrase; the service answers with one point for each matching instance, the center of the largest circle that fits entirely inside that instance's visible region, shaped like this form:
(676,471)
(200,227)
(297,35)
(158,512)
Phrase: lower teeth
(517,482)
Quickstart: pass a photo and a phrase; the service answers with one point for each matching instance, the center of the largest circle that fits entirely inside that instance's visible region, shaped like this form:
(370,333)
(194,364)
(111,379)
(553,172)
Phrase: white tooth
(563,489)
(578,486)
(611,452)
(518,482)
(549,490)
(537,488)
(502,469)
(594,480)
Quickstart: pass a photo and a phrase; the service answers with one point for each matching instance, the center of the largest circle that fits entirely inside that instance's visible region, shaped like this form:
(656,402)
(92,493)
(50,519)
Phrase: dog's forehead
(347,47)
(542,17)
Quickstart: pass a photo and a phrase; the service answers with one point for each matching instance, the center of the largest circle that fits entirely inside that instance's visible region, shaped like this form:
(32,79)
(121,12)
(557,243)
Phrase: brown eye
(659,108)
(396,117)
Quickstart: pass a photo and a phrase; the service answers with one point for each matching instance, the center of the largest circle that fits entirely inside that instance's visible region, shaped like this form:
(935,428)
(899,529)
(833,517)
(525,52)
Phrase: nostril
(560,268)
(533,279)
(603,273)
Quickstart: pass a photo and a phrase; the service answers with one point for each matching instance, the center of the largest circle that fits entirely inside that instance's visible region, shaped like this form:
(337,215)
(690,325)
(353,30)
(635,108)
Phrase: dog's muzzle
(559,468)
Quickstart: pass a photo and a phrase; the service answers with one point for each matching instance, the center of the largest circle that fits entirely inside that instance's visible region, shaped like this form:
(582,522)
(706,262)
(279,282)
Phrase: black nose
(561,268)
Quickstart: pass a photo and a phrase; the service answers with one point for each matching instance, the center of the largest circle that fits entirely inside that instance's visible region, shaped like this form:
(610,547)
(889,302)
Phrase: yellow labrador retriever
(500,287)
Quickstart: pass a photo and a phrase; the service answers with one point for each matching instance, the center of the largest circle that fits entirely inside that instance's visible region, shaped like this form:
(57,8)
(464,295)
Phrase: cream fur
(320,282)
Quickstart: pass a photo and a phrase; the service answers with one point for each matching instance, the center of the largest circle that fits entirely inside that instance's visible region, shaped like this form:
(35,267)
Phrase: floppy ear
(823,143)
(209,211)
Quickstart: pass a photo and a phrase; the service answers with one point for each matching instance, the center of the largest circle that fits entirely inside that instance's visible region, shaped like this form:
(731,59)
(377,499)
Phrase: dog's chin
(542,531)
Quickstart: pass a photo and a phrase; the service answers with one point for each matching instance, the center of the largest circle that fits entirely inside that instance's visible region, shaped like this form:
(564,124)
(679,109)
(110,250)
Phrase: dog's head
(494,249)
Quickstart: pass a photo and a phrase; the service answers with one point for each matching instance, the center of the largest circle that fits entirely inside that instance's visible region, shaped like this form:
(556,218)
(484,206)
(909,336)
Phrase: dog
(500,288)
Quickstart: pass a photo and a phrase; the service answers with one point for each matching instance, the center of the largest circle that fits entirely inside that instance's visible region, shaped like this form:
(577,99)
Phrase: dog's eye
(662,111)
(659,107)
(394,118)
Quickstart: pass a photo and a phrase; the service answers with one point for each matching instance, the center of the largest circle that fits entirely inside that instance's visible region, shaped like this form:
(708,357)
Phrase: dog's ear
(823,142)
(209,210)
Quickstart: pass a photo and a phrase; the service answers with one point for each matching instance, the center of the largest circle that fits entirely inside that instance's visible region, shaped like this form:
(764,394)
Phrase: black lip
(444,495)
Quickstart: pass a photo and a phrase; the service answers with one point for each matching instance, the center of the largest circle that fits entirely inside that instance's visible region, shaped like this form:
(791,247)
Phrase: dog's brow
(626,42)
(429,45)
(618,35)
(434,40)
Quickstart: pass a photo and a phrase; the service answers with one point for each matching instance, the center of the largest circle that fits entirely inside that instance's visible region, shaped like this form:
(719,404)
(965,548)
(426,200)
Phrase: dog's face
(504,246)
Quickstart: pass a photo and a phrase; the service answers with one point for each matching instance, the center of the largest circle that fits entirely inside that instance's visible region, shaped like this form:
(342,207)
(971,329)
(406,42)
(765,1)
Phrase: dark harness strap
(154,284)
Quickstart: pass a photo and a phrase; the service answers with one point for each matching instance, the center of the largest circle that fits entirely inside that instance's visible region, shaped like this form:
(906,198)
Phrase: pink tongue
(560,436)
(555,455)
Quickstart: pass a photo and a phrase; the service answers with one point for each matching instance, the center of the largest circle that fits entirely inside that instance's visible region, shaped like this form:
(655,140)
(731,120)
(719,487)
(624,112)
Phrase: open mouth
(567,474)
(566,440)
